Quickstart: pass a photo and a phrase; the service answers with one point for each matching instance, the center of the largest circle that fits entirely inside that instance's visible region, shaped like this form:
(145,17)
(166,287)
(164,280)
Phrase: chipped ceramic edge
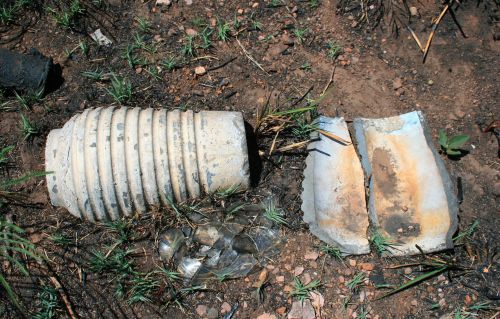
(359,127)
(308,197)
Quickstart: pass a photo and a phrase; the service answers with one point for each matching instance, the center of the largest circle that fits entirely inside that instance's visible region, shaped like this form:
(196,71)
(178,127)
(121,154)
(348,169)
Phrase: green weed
(9,12)
(227,192)
(116,262)
(332,251)
(273,213)
(12,244)
(300,34)
(188,47)
(255,25)
(275,3)
(28,129)
(355,282)
(48,303)
(306,67)
(333,50)
(120,227)
(130,56)
(169,63)
(84,47)
(223,30)
(466,234)
(153,71)
(67,18)
(313,4)
(96,75)
(144,25)
(28,100)
(451,146)
(205,36)
(142,287)
(60,239)
(121,89)
(170,275)
(235,208)
(9,196)
(302,291)
(381,243)
(236,23)
(4,153)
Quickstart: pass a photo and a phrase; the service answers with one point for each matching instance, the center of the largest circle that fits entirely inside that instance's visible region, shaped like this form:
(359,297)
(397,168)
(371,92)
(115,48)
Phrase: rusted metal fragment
(333,197)
(411,199)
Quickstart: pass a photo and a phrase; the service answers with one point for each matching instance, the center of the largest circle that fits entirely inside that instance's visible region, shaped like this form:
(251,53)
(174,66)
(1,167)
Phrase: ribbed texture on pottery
(110,162)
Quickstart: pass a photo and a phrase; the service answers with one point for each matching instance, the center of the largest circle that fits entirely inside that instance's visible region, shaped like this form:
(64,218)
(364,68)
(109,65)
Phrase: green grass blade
(10,293)
(415,281)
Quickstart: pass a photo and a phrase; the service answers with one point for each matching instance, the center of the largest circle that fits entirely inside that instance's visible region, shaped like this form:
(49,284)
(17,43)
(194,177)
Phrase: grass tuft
(273,213)
(121,89)
(47,303)
(333,50)
(29,130)
(302,291)
(381,243)
(332,251)
(355,282)
(223,30)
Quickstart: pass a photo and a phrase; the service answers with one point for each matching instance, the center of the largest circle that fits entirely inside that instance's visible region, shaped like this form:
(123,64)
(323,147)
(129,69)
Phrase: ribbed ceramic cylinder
(113,162)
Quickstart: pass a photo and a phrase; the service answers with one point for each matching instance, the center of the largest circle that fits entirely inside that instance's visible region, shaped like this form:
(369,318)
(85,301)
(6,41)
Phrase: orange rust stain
(397,185)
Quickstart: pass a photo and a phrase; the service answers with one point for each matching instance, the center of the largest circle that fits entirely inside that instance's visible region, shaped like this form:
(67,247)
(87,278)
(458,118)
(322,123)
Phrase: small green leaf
(452,152)
(457,141)
(443,139)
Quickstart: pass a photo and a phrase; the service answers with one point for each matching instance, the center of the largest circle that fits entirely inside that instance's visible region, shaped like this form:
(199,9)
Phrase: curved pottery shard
(411,200)
(333,197)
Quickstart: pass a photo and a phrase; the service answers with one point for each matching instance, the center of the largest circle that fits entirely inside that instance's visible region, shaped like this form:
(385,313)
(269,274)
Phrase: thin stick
(434,27)
(274,143)
(456,22)
(335,137)
(206,57)
(64,297)
(302,97)
(415,38)
(250,57)
(331,79)
(222,64)
(293,146)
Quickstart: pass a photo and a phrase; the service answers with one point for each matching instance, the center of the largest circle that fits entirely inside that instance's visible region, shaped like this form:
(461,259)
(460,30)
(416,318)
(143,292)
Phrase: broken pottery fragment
(411,199)
(333,197)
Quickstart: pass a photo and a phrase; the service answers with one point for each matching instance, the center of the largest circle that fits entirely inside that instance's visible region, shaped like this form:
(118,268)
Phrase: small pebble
(367,266)
(200,70)
(201,310)
(226,307)
(298,271)
(311,255)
